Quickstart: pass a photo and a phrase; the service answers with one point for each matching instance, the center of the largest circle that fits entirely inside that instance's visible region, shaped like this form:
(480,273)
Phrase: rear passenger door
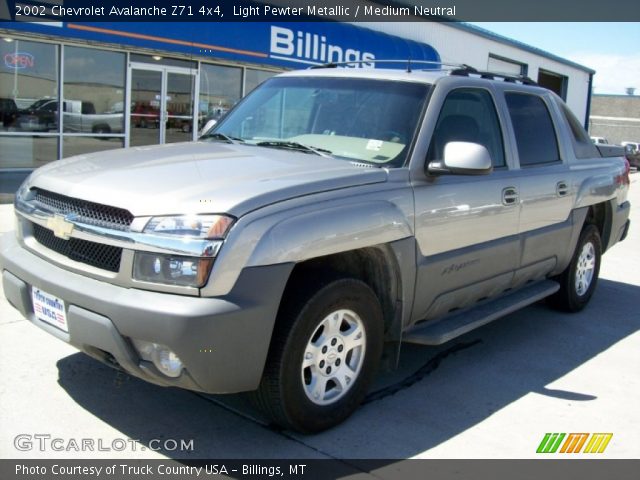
(546,193)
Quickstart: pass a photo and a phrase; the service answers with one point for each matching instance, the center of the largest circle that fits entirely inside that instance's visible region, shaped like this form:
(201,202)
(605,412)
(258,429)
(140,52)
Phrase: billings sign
(318,44)
(312,48)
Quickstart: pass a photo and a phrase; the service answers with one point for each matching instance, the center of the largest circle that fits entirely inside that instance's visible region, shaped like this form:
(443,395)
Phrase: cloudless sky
(612,49)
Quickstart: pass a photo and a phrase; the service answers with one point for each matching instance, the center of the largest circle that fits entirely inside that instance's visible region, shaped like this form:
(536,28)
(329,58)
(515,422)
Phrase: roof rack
(409,62)
(467,71)
(459,69)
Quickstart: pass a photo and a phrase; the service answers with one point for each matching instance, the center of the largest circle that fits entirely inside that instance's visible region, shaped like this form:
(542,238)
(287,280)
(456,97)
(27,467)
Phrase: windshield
(38,104)
(364,120)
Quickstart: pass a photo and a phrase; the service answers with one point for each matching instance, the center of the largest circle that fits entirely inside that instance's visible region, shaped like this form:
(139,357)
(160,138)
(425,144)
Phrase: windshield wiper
(222,136)
(295,146)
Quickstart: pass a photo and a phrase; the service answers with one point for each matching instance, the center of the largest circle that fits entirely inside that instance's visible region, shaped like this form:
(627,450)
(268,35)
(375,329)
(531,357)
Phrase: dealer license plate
(49,309)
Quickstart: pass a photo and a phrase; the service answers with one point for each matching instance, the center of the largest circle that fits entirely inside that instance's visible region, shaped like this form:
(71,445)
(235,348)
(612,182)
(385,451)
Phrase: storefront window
(94,85)
(77,145)
(220,89)
(20,151)
(253,78)
(28,86)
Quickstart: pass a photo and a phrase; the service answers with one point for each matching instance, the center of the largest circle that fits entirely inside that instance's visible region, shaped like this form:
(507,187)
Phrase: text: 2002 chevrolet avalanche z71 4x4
(330,216)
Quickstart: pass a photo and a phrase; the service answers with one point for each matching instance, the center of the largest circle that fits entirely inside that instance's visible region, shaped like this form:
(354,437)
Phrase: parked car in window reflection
(79,117)
(8,112)
(40,116)
(144,115)
(632,152)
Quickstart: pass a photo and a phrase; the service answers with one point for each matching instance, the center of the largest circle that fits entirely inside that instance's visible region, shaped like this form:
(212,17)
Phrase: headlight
(177,269)
(192,226)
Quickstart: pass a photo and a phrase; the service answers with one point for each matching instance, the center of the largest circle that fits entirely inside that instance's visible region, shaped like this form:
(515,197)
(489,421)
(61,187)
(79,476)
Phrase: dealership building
(136,84)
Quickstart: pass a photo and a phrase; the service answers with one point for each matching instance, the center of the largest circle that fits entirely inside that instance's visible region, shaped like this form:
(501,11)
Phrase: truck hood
(198,177)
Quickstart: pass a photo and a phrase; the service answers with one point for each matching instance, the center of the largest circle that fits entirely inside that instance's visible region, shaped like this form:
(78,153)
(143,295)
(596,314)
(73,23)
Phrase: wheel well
(600,216)
(375,266)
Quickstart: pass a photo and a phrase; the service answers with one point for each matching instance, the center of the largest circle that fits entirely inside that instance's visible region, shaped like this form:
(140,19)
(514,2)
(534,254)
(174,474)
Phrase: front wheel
(324,355)
(578,281)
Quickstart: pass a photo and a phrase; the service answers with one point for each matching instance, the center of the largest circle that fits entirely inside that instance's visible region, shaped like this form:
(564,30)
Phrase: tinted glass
(93,90)
(583,147)
(468,115)
(535,135)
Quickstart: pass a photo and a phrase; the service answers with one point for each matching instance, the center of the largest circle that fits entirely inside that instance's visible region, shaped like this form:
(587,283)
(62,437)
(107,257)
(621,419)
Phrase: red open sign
(19,60)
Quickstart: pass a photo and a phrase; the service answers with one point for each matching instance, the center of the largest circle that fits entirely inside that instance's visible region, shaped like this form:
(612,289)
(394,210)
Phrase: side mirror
(462,158)
(207,126)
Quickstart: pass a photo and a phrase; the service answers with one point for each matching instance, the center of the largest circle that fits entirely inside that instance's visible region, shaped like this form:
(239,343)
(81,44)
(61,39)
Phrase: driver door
(466,226)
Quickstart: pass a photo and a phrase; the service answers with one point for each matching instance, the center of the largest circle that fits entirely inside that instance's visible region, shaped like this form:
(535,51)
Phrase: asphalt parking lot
(492,393)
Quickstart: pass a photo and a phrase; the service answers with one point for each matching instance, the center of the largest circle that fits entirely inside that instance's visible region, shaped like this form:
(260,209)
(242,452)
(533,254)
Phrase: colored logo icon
(574,443)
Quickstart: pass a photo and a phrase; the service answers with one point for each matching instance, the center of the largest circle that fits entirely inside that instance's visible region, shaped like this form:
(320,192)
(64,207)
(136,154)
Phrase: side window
(535,135)
(583,147)
(468,115)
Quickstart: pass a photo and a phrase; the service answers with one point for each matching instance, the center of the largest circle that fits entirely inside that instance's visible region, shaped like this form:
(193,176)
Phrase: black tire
(571,297)
(101,129)
(282,394)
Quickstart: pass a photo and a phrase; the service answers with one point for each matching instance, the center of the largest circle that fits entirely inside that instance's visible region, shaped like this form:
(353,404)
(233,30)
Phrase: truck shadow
(436,393)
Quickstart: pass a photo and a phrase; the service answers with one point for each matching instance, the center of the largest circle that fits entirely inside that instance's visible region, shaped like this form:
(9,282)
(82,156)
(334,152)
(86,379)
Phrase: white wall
(458,46)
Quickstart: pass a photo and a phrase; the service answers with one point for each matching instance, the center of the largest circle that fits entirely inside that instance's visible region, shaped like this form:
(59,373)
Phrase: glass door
(146,107)
(179,107)
(161,105)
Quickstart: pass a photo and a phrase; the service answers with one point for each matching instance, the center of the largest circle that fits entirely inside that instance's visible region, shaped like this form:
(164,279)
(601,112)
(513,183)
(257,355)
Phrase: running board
(441,331)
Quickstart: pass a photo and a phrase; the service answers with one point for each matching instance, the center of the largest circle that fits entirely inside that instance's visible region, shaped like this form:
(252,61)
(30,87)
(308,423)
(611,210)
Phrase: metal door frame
(164,70)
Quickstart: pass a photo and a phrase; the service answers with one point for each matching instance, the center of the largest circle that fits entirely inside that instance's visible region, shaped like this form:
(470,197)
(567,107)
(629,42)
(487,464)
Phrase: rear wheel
(578,281)
(324,354)
(101,129)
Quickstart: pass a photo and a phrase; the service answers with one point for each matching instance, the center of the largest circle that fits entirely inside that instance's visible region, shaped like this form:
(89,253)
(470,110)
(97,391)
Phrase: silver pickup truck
(330,216)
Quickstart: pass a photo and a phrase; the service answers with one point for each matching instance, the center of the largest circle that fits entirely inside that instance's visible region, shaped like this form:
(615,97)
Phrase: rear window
(582,145)
(533,128)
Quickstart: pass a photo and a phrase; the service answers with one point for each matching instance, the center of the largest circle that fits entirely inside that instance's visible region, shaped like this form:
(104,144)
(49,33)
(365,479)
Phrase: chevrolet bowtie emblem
(61,227)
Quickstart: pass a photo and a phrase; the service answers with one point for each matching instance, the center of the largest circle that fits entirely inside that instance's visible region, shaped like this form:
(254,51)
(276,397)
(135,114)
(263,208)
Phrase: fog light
(162,357)
(167,361)
(171,269)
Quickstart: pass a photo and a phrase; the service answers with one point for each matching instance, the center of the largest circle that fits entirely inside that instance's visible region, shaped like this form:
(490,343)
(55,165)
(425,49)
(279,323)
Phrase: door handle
(562,189)
(510,196)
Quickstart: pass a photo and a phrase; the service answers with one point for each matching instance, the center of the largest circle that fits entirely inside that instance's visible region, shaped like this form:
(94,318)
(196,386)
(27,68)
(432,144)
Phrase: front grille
(87,212)
(95,254)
